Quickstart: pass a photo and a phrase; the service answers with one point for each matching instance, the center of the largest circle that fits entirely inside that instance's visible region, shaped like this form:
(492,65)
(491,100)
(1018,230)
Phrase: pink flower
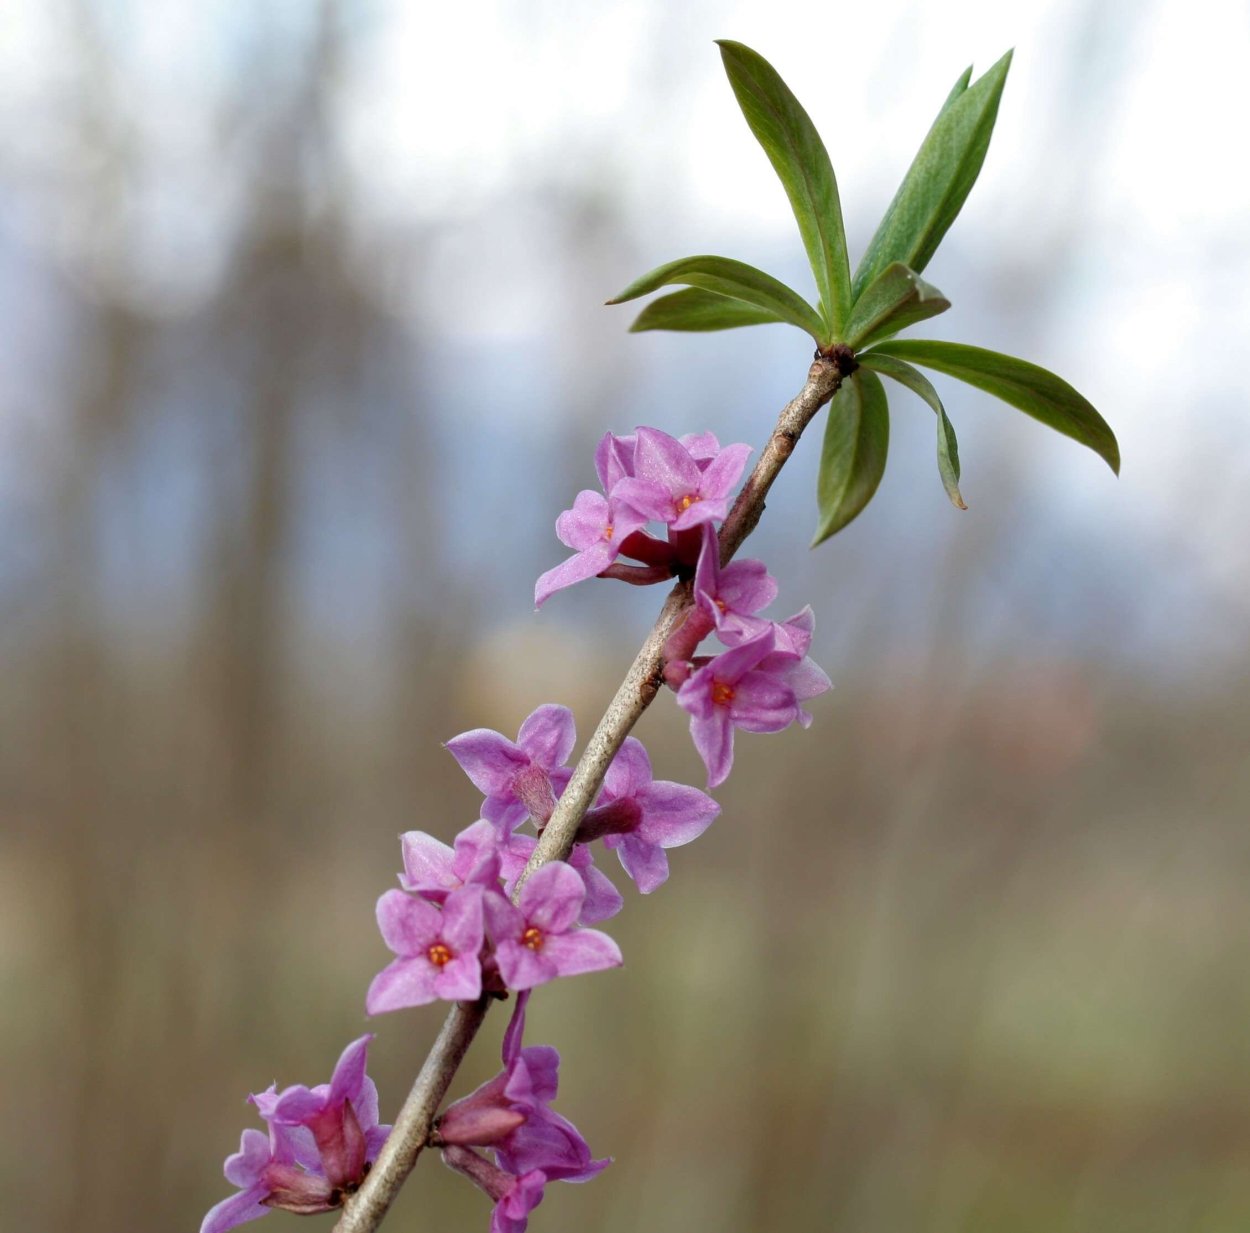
(537,940)
(438,950)
(671,486)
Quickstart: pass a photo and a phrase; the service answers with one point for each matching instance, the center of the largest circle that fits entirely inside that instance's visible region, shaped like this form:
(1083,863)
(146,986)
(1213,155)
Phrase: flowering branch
(503,911)
(365,1210)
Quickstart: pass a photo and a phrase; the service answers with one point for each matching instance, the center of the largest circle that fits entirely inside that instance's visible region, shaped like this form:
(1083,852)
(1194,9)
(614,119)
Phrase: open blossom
(433,870)
(596,527)
(732,595)
(438,950)
(537,940)
(320,1144)
(519,778)
(750,686)
(640,816)
(669,485)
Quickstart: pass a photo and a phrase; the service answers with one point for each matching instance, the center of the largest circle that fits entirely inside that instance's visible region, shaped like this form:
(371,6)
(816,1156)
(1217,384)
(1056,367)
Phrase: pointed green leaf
(956,90)
(852,458)
(734,279)
(802,163)
(918,383)
(897,298)
(939,180)
(1033,390)
(695,309)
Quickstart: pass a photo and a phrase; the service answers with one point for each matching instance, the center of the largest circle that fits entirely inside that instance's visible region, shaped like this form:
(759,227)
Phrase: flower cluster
(511,1115)
(467,922)
(646,477)
(320,1144)
(761,680)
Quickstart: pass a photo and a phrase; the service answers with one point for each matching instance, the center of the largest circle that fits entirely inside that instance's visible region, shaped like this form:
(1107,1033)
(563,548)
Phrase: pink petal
(463,929)
(649,499)
(523,968)
(674,813)
(762,703)
(349,1072)
(630,770)
(583,950)
(503,922)
(402,983)
(489,760)
(427,864)
(408,925)
(704,510)
(645,862)
(244,1167)
(746,587)
(663,460)
(548,736)
(723,472)
(515,1031)
(594,560)
(701,446)
(460,980)
(714,739)
(585,523)
(236,1210)
(614,459)
(552,898)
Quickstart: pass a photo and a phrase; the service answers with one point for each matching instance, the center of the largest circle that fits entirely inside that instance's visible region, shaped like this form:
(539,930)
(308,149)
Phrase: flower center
(687,501)
(533,938)
(607,531)
(722,694)
(720,603)
(440,954)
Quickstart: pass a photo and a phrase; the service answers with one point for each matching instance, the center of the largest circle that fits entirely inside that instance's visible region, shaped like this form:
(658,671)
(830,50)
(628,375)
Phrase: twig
(364,1211)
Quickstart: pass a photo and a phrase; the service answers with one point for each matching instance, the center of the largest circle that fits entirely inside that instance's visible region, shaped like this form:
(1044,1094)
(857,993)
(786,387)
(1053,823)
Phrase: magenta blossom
(433,870)
(640,816)
(510,1113)
(596,527)
(536,940)
(320,1144)
(519,779)
(670,486)
(341,1116)
(521,1091)
(438,950)
(749,686)
(732,595)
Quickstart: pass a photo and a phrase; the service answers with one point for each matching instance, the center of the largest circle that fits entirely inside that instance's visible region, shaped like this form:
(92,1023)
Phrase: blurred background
(304,353)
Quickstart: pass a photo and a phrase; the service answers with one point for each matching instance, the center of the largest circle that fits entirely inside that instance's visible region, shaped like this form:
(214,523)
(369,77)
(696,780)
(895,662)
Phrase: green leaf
(918,383)
(1033,390)
(695,309)
(897,298)
(939,180)
(734,279)
(802,163)
(956,91)
(852,458)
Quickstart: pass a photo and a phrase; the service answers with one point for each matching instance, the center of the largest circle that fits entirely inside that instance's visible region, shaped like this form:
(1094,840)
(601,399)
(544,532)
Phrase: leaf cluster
(862,313)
